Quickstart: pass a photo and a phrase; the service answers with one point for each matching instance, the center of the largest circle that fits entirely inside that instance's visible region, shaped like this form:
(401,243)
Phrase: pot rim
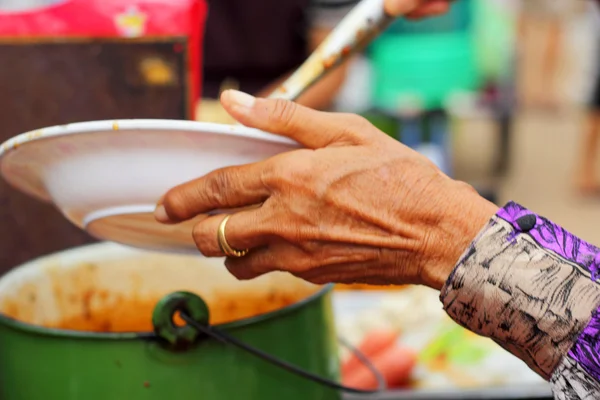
(73,334)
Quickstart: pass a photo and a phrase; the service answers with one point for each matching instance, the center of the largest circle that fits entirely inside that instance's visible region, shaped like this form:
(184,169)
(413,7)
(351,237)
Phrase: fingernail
(241,99)
(160,214)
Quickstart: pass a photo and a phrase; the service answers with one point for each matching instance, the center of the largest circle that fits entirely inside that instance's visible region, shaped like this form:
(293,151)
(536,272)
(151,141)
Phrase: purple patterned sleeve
(532,287)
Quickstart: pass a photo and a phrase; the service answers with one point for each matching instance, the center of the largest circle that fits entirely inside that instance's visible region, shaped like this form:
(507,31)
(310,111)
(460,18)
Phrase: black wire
(225,338)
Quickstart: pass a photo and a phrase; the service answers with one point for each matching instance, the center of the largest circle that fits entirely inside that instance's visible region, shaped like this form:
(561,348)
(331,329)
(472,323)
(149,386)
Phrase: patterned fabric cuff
(529,285)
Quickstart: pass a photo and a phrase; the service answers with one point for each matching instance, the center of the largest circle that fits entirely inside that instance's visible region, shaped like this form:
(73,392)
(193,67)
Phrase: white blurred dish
(106,176)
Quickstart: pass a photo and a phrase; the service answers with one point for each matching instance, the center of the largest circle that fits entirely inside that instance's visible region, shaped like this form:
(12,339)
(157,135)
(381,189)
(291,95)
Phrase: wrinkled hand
(354,206)
(416,9)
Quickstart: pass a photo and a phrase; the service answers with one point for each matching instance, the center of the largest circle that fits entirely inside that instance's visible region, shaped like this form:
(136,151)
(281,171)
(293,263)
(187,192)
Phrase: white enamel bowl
(106,176)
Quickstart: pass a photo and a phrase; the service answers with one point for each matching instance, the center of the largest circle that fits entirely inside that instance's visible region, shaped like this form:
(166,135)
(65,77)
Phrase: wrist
(463,216)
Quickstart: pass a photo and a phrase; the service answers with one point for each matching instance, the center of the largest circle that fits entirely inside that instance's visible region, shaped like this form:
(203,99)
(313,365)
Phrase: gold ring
(224,245)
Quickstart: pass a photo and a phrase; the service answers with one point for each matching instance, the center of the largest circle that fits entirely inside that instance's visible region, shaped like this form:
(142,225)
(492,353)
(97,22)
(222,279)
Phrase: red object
(395,364)
(116,18)
(374,342)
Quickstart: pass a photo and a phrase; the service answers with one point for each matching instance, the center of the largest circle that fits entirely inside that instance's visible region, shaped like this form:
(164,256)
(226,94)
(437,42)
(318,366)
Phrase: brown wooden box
(52,82)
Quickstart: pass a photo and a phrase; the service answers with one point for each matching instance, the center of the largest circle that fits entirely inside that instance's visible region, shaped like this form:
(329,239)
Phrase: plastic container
(429,66)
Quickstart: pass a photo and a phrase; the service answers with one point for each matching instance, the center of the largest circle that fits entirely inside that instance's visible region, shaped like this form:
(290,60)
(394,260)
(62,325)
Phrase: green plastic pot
(173,362)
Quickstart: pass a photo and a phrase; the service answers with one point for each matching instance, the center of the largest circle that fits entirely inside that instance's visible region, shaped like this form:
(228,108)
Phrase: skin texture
(353,206)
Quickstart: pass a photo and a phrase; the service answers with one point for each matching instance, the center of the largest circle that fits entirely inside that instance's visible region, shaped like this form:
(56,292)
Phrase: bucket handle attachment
(194,312)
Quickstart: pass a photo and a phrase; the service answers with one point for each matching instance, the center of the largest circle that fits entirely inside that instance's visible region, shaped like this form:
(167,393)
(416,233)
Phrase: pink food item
(373,343)
(395,364)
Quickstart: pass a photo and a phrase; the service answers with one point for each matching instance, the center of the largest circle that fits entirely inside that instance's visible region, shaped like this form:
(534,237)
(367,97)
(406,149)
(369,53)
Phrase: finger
(258,262)
(312,129)
(398,8)
(430,9)
(231,187)
(416,7)
(244,230)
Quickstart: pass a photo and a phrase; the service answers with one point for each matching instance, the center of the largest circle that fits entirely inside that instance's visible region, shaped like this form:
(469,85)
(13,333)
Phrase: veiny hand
(354,206)
(416,9)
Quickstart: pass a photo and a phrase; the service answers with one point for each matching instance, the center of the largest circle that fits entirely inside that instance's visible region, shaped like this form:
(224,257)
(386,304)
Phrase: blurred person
(547,16)
(254,45)
(587,181)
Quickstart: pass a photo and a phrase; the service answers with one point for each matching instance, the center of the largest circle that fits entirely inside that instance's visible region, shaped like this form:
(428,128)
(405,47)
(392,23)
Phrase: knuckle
(248,268)
(300,168)
(283,231)
(203,249)
(273,230)
(272,171)
(302,265)
(355,129)
(198,232)
(357,122)
(239,271)
(283,113)
(203,242)
(217,184)
(291,171)
(176,204)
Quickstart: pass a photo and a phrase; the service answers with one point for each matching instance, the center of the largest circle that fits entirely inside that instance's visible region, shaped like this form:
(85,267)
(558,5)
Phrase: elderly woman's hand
(353,206)
(416,8)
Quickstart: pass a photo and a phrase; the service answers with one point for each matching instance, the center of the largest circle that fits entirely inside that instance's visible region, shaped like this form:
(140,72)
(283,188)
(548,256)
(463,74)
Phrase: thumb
(398,8)
(416,8)
(313,129)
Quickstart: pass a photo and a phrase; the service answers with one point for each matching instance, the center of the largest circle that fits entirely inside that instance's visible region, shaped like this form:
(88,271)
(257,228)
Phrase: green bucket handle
(179,337)
(194,311)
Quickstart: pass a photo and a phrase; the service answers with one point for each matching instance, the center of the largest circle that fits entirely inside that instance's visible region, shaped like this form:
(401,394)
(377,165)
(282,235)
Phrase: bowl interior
(107,180)
(110,288)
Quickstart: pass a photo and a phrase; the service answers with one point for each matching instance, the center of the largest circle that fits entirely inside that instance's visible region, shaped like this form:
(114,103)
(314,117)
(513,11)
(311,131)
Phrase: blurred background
(500,94)
(503,94)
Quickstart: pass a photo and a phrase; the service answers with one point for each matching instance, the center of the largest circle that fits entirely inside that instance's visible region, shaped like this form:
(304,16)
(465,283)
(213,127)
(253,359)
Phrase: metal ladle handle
(356,30)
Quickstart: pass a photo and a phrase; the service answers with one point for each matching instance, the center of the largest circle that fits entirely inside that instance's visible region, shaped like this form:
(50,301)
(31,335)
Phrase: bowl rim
(40,192)
(108,125)
(99,248)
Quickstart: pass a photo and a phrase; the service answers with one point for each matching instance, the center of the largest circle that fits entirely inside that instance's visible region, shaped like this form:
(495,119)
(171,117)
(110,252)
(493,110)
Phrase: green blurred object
(385,123)
(427,68)
(457,346)
(426,62)
(494,29)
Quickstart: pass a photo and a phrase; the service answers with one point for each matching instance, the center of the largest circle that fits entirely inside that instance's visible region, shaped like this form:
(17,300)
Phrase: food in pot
(118,294)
